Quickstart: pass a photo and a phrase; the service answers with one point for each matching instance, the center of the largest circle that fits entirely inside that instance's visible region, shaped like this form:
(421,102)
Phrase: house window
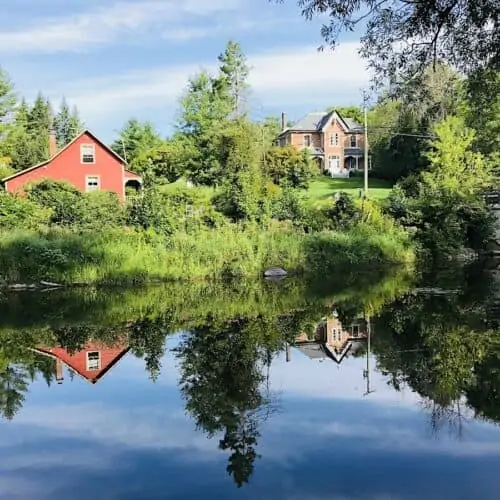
(87,153)
(354,141)
(307,141)
(334,139)
(92,183)
(93,361)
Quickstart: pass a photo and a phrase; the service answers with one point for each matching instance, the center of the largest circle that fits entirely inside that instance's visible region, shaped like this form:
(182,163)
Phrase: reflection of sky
(126,438)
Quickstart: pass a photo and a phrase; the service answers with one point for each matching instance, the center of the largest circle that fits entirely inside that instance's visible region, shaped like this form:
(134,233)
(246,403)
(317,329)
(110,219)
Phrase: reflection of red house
(92,362)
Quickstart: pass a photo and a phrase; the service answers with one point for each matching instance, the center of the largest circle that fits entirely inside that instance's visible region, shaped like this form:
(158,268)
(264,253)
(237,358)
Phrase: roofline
(43,352)
(43,163)
(335,112)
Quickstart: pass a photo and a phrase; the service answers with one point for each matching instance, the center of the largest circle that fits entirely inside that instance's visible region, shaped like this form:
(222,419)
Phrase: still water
(380,386)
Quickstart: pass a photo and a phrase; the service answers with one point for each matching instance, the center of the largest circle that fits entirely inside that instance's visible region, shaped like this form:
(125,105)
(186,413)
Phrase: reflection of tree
(14,383)
(442,346)
(221,377)
(147,340)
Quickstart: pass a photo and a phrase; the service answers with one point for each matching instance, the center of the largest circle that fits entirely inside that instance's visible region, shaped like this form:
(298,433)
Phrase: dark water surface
(379,386)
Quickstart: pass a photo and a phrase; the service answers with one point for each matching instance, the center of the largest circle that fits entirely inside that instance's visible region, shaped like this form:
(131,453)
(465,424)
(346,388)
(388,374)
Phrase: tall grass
(127,256)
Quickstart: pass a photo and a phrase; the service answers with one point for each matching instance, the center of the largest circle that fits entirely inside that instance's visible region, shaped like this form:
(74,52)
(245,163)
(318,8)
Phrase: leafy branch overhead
(405,36)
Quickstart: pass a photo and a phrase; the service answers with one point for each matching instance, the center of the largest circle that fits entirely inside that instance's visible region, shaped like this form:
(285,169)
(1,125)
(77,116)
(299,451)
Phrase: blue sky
(129,58)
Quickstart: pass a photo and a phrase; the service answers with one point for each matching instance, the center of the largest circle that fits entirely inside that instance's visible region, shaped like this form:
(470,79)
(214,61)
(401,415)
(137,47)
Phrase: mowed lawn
(321,188)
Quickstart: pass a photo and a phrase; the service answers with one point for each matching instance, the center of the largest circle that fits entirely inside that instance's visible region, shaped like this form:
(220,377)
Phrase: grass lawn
(323,187)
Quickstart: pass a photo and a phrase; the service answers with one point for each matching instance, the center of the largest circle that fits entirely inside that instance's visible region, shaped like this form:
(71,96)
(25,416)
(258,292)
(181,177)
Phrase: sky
(132,58)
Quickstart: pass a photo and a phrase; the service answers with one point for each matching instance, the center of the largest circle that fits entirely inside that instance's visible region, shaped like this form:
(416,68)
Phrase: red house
(91,363)
(85,162)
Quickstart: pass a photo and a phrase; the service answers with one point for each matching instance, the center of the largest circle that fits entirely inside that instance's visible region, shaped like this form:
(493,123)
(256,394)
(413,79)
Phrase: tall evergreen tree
(8,99)
(67,124)
(232,78)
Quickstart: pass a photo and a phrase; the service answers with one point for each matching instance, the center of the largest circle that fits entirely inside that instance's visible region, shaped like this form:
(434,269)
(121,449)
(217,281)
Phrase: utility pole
(366,144)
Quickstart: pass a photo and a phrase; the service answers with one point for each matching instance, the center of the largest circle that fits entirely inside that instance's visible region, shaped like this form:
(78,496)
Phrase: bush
(344,213)
(61,197)
(16,212)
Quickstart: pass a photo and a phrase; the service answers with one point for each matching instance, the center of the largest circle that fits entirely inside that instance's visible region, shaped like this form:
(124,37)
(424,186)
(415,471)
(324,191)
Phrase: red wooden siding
(67,166)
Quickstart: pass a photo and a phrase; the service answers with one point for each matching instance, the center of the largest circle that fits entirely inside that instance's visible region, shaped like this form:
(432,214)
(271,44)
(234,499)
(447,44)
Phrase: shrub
(16,212)
(61,197)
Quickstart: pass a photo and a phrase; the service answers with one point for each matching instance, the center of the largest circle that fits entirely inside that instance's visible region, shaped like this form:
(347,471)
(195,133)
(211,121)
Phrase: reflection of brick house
(91,363)
(337,143)
(332,340)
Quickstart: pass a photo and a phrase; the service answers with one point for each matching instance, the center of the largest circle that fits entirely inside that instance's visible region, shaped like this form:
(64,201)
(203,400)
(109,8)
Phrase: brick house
(337,143)
(86,162)
(332,340)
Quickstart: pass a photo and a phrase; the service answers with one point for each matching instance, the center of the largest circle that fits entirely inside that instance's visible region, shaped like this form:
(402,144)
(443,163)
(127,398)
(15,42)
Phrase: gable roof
(46,162)
(69,360)
(317,120)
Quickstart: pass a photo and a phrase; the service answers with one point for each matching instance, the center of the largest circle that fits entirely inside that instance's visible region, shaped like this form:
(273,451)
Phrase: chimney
(283,121)
(59,371)
(52,143)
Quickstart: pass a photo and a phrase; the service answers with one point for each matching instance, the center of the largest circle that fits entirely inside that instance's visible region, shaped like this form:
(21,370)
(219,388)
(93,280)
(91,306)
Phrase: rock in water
(274,272)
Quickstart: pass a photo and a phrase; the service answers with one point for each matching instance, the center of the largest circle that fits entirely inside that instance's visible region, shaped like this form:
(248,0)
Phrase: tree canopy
(402,36)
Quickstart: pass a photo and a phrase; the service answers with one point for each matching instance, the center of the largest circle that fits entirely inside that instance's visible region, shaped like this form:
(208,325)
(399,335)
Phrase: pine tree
(233,74)
(8,100)
(67,124)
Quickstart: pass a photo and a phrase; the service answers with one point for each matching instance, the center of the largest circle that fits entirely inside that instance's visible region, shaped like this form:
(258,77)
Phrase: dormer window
(87,153)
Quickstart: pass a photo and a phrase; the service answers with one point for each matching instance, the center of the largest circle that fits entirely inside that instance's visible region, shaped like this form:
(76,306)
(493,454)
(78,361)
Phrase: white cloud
(107,24)
(286,77)
(226,28)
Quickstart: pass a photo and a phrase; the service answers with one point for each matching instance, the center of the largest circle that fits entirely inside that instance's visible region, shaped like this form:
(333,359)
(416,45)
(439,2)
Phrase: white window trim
(304,140)
(90,176)
(81,153)
(99,360)
(355,141)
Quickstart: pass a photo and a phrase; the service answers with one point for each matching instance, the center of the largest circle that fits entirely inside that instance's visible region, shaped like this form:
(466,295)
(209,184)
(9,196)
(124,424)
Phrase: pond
(376,386)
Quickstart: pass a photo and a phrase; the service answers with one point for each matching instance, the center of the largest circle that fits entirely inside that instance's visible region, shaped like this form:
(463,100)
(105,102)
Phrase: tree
(135,141)
(204,114)
(483,109)
(289,166)
(8,100)
(353,112)
(67,124)
(401,122)
(404,37)
(24,149)
(232,79)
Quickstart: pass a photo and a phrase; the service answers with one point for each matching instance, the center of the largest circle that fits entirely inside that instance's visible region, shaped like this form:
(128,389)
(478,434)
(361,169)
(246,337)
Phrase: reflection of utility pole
(366,374)
(288,353)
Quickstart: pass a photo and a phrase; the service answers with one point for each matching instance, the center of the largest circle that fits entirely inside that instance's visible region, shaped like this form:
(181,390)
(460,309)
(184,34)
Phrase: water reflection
(224,345)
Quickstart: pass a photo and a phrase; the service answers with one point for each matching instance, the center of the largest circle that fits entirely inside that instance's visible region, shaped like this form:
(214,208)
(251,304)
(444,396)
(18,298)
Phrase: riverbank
(124,256)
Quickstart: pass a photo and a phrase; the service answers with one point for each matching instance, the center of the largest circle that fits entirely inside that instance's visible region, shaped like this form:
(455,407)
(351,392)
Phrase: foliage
(70,207)
(287,166)
(136,142)
(67,124)
(445,203)
(8,100)
(18,212)
(232,80)
(353,112)
(483,109)
(456,32)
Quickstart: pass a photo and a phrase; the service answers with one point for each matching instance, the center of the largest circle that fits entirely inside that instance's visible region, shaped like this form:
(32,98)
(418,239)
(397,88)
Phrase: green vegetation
(221,199)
